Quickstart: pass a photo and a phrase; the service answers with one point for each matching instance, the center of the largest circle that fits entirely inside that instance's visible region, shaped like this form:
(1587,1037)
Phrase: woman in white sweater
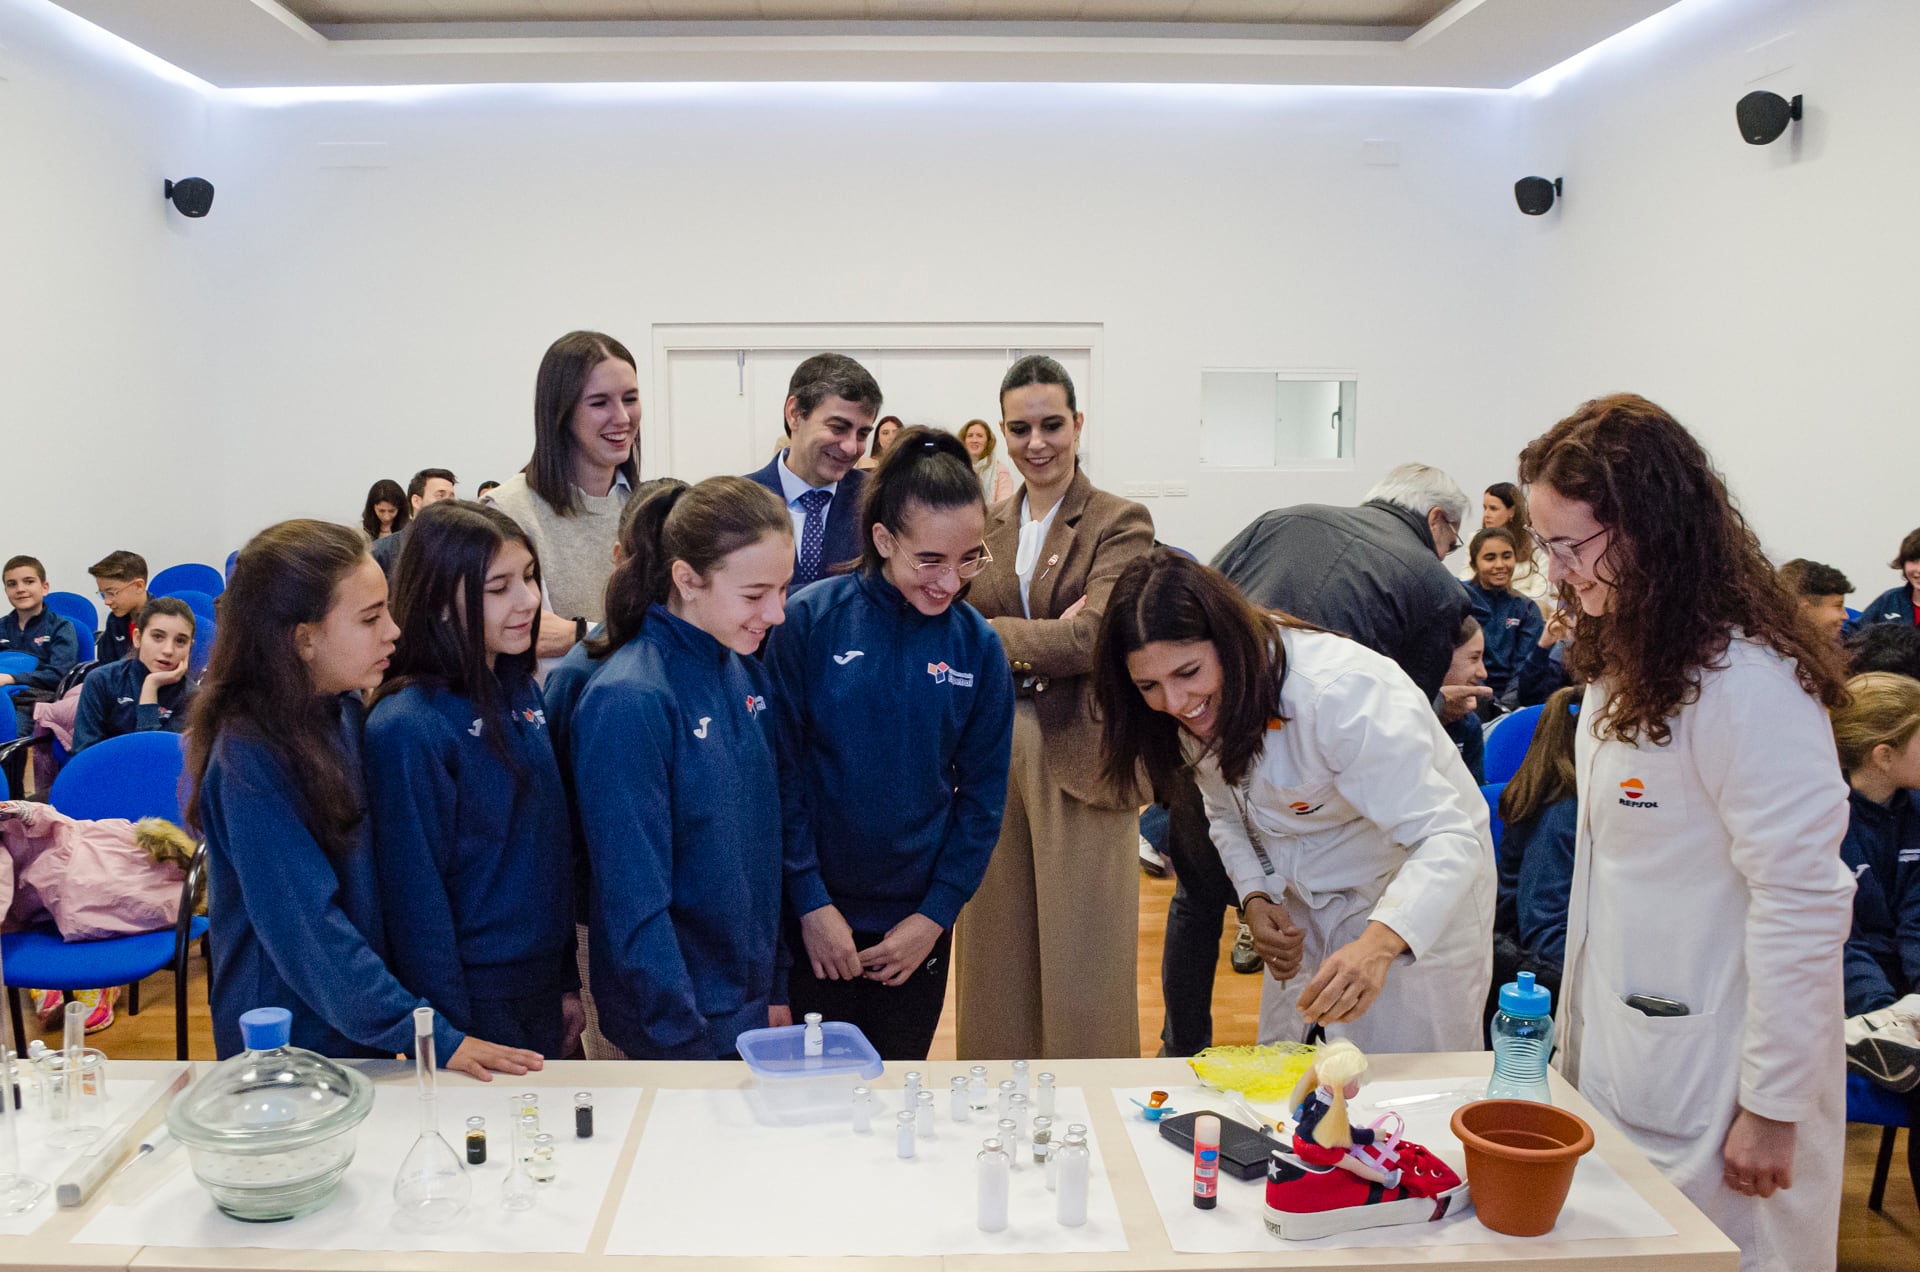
(1701,1006)
(1355,837)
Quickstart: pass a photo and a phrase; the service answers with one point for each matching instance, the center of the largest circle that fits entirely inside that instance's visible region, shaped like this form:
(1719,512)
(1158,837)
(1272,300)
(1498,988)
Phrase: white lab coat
(1364,811)
(1708,871)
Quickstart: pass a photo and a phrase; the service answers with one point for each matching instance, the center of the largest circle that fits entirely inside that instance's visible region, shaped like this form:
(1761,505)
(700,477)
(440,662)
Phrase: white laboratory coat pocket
(1663,1074)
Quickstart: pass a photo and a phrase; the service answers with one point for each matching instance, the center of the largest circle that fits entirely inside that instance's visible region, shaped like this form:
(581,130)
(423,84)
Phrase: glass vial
(1076,1165)
(814,1040)
(957,1095)
(1021,1081)
(910,1090)
(977,1088)
(1043,1093)
(904,1135)
(541,1166)
(862,1111)
(990,1209)
(476,1141)
(1009,1135)
(1017,1110)
(527,1125)
(1042,1139)
(1006,1094)
(527,1104)
(923,1114)
(583,1115)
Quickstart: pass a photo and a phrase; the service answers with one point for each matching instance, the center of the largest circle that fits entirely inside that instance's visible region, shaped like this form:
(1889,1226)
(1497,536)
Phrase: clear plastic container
(791,1087)
(272,1130)
(1522,1042)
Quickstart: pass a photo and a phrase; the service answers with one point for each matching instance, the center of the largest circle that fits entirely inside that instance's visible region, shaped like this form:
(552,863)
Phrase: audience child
(676,771)
(1461,694)
(1899,604)
(1511,622)
(1821,591)
(1545,669)
(1504,507)
(996,483)
(1878,734)
(470,824)
(1326,776)
(31,628)
(883,434)
(1047,955)
(388,510)
(148,691)
(900,775)
(120,579)
(1540,811)
(1891,647)
(1711,813)
(273,763)
(585,464)
(429,486)
(828,417)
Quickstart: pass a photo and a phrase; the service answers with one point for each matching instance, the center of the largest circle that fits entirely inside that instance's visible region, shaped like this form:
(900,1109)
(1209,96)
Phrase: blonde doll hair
(1336,1064)
(1882,709)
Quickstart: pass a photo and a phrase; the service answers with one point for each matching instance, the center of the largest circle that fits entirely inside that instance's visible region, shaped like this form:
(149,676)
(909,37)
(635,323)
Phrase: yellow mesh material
(1259,1073)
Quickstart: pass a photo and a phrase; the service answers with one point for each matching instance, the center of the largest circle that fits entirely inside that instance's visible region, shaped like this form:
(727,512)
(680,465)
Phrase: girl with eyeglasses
(1709,905)
(896,709)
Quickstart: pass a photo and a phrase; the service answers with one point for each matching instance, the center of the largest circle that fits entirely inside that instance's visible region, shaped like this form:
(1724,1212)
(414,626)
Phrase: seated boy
(149,691)
(120,579)
(31,628)
(1822,593)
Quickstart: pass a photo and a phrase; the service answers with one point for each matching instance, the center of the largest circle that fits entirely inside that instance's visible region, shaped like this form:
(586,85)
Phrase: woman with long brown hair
(1708,907)
(1355,837)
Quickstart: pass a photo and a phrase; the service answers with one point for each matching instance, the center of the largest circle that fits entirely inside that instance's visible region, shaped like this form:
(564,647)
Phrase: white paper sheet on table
(710,1180)
(178,1212)
(1600,1204)
(47,1164)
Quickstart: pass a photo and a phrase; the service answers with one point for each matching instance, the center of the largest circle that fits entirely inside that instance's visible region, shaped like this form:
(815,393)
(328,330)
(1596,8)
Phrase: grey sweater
(576,553)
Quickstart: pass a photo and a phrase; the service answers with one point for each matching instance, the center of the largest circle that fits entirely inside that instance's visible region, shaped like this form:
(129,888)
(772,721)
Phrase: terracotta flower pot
(1520,1160)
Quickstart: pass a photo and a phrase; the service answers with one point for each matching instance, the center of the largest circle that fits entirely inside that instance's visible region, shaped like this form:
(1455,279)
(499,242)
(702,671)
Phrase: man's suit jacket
(842,542)
(1094,536)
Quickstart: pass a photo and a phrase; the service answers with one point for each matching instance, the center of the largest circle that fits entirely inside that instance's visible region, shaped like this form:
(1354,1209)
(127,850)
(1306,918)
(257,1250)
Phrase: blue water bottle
(1522,1042)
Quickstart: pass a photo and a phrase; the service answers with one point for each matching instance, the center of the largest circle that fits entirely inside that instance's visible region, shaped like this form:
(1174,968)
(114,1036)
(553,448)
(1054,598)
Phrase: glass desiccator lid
(272,1096)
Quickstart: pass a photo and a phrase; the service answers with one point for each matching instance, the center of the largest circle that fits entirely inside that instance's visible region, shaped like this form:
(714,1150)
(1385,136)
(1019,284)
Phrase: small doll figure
(1323,1134)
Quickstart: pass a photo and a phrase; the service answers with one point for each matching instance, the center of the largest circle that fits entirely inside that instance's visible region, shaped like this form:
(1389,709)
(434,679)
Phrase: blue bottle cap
(1524,998)
(267,1028)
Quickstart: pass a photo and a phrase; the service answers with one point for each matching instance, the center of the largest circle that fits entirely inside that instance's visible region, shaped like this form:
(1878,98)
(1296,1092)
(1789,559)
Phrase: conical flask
(432,1187)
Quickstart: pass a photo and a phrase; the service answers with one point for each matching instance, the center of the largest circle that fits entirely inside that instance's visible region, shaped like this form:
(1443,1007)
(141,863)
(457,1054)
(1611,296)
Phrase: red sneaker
(1305,1201)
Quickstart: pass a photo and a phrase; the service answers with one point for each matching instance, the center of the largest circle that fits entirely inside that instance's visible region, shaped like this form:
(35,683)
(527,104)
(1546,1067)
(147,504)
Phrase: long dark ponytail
(927,466)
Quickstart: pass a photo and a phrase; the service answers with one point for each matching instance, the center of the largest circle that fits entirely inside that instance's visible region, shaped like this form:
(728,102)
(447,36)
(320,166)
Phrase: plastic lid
(266,1028)
(780,1054)
(1524,998)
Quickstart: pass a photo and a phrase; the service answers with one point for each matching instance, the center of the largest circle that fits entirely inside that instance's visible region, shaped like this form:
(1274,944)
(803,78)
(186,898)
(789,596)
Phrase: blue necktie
(813,536)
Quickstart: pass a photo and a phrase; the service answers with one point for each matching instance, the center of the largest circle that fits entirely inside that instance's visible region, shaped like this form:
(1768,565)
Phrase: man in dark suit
(832,402)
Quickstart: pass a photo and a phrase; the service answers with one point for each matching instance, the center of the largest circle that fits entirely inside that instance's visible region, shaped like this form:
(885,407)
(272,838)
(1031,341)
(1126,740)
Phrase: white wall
(105,407)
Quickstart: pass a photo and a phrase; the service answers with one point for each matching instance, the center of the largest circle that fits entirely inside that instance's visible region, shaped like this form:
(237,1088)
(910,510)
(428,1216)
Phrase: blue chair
(133,776)
(231,558)
(1853,615)
(199,602)
(200,578)
(1507,741)
(1492,792)
(85,615)
(205,630)
(1876,1106)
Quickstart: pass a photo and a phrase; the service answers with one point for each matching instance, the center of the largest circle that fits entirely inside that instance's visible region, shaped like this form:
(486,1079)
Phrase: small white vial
(862,1111)
(1043,1096)
(1021,1081)
(1005,1131)
(977,1088)
(903,1135)
(1076,1164)
(1017,1109)
(957,1093)
(813,1042)
(1006,1094)
(991,1206)
(923,1114)
(911,1089)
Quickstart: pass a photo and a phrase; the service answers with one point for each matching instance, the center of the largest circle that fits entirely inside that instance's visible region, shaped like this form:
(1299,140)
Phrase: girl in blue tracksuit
(148,691)
(470,830)
(676,774)
(1512,622)
(896,707)
(1898,604)
(274,762)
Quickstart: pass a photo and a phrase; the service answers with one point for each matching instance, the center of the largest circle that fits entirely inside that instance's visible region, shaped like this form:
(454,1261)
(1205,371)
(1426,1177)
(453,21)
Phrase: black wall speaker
(1535,195)
(1763,116)
(193,196)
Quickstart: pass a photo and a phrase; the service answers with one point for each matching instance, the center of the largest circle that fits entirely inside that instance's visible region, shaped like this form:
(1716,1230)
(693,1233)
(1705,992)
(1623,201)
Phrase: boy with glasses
(120,580)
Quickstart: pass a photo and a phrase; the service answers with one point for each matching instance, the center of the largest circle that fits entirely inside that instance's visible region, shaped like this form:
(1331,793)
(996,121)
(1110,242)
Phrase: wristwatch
(579,629)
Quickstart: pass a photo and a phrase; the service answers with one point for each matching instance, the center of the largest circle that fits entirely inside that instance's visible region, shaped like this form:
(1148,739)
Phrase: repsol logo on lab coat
(1633,794)
(1300,808)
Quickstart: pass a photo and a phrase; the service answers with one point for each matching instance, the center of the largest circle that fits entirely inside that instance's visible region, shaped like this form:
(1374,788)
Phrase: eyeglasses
(1453,527)
(108,594)
(967,569)
(1568,554)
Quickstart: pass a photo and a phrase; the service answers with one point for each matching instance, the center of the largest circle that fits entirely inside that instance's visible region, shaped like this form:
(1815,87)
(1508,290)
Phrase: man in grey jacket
(1373,572)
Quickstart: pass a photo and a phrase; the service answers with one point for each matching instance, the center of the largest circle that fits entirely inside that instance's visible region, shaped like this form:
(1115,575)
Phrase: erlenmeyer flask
(432,1187)
(516,1193)
(19,1191)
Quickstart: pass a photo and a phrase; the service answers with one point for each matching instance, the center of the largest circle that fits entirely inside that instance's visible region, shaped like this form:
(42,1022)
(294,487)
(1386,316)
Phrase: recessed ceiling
(1485,44)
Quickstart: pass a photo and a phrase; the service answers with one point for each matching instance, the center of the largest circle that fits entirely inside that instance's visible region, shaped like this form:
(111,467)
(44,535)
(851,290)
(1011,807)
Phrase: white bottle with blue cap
(1522,1042)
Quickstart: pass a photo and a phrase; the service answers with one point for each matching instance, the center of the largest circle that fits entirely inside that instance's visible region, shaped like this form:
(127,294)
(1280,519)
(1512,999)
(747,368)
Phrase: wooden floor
(1886,1242)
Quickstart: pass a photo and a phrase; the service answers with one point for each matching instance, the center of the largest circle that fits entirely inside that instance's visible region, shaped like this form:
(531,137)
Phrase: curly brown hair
(1687,569)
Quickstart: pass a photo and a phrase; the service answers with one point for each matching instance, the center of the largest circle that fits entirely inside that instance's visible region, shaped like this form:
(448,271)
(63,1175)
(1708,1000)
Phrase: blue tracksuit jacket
(110,704)
(1882,848)
(1895,605)
(1512,625)
(49,637)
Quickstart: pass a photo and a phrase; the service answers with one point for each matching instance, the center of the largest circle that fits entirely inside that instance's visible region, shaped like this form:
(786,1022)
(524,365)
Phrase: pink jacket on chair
(88,877)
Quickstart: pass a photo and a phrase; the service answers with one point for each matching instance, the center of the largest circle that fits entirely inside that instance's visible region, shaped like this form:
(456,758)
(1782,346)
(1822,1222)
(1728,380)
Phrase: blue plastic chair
(1876,1106)
(198,578)
(232,557)
(84,613)
(199,602)
(1507,741)
(1853,615)
(133,776)
(1492,792)
(204,632)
